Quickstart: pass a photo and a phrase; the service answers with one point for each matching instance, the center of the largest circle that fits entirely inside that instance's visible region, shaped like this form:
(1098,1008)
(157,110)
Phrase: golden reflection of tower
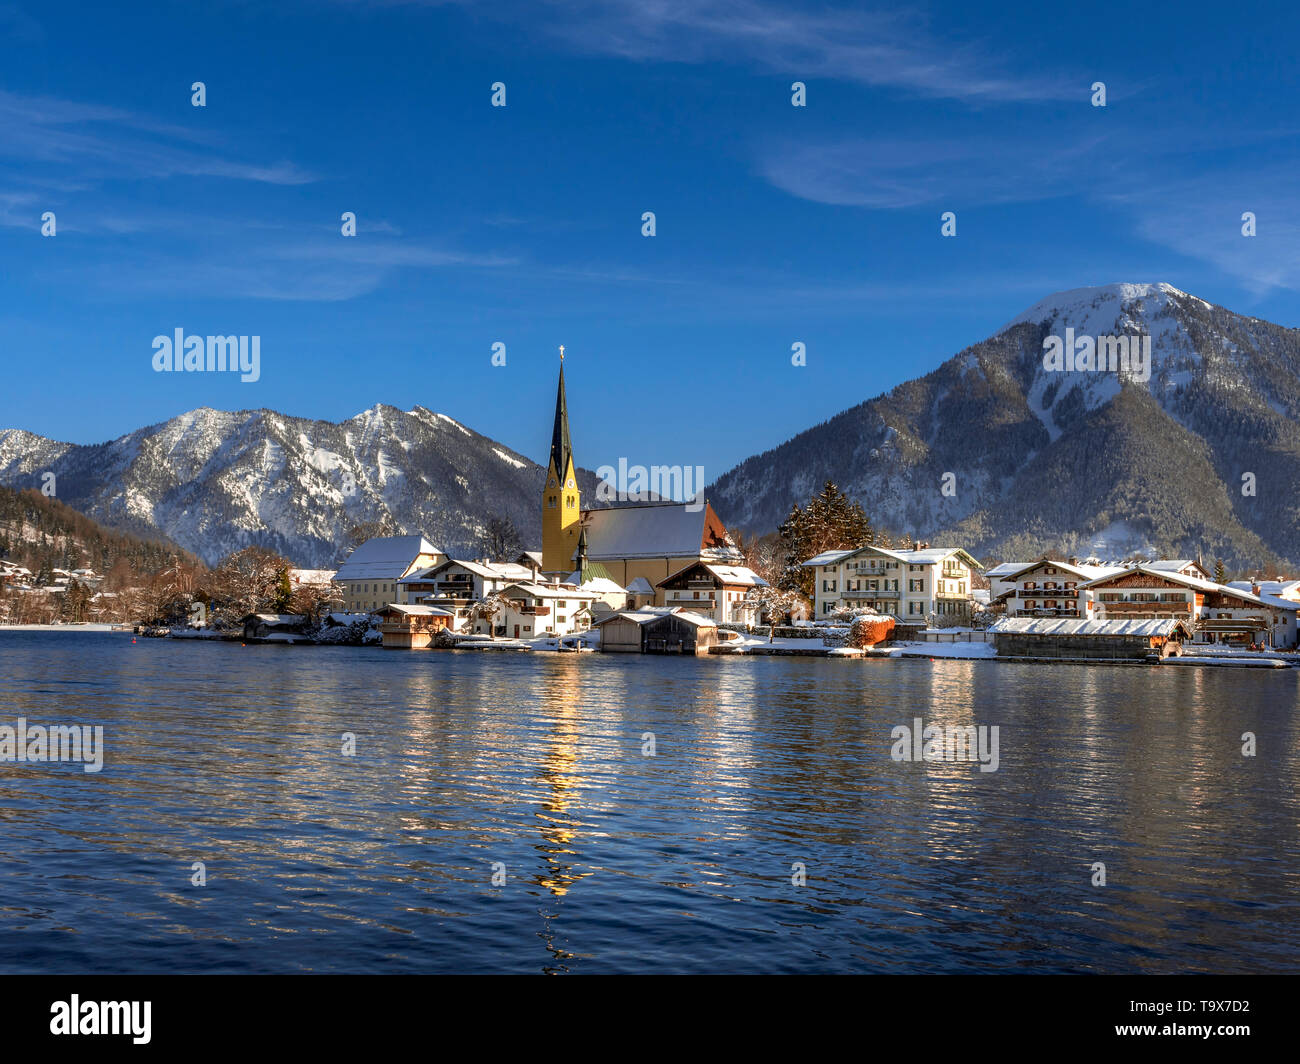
(559,776)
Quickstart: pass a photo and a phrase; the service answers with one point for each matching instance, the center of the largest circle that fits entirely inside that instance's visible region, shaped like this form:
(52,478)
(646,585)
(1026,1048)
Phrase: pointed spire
(561,448)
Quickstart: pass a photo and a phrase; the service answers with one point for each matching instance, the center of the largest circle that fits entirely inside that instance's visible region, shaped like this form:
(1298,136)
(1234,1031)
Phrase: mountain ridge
(995,418)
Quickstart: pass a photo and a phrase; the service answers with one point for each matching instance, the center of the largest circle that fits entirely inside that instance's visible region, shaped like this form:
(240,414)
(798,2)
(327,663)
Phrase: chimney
(1254,587)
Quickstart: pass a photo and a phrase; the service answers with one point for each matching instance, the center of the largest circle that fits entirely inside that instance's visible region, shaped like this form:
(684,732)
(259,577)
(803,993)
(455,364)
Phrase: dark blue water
(614,861)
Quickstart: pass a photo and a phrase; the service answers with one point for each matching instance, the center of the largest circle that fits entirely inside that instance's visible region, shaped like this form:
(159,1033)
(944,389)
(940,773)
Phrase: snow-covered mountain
(215,482)
(1091,462)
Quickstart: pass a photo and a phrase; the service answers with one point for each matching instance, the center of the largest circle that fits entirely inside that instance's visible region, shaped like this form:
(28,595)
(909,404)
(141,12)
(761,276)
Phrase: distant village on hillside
(668,577)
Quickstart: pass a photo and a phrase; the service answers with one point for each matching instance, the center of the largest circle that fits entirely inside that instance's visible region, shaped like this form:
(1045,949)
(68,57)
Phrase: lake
(532,769)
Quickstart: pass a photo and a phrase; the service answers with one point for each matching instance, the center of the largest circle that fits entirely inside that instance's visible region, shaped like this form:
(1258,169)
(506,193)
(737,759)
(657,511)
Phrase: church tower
(561,512)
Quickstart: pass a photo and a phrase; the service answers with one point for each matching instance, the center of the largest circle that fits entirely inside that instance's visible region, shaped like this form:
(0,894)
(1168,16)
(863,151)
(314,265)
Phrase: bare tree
(489,607)
(774,602)
(499,539)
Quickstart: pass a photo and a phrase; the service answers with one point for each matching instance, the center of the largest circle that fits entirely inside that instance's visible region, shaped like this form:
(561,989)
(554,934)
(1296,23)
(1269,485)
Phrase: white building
(911,585)
(719,592)
(370,576)
(1050,588)
(541,609)
(455,585)
(1218,613)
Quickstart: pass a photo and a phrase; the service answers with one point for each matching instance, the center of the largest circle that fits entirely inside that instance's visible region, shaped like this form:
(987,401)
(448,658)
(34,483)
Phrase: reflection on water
(532,766)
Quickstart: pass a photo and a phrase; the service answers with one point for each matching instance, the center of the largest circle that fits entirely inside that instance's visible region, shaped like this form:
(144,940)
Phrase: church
(637,545)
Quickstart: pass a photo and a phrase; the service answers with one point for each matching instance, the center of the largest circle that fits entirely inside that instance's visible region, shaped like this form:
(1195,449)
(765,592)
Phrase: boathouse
(273,628)
(657,630)
(1116,640)
(411,627)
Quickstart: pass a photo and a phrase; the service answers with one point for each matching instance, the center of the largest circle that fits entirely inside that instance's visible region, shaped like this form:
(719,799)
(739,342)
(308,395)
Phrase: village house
(1283,589)
(1049,588)
(720,592)
(1216,613)
(455,585)
(369,578)
(1001,578)
(910,585)
(534,610)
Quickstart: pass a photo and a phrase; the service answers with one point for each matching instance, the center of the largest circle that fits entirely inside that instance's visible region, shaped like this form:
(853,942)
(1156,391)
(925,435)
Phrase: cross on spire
(561,352)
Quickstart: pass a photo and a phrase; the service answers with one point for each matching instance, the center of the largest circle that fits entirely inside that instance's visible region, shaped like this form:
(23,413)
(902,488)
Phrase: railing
(870,594)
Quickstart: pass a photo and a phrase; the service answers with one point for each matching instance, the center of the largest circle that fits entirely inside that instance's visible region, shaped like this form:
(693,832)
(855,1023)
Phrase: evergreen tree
(283,592)
(1220,574)
(830,521)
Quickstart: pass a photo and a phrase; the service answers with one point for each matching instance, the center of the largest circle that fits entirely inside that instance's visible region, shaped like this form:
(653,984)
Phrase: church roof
(653,530)
(561,446)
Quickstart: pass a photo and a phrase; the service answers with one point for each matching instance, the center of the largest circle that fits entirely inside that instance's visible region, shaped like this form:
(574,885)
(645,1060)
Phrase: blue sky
(522,224)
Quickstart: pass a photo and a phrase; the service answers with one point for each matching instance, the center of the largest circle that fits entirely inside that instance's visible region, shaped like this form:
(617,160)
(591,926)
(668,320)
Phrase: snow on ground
(938,650)
(57,628)
(507,458)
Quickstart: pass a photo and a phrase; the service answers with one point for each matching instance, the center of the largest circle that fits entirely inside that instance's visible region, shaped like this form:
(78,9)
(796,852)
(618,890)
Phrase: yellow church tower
(561,512)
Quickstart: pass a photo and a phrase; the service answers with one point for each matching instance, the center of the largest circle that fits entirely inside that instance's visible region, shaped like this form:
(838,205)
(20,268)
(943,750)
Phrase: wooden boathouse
(1057,639)
(411,627)
(657,630)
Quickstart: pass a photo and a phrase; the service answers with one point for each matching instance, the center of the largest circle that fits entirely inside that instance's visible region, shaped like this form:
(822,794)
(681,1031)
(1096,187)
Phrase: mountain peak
(1100,304)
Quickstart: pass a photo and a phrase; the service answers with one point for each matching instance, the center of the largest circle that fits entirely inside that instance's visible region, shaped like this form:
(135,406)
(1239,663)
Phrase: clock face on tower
(569,483)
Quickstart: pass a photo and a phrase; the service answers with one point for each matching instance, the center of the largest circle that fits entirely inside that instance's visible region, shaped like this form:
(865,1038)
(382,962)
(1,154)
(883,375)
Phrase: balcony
(870,594)
(1145,609)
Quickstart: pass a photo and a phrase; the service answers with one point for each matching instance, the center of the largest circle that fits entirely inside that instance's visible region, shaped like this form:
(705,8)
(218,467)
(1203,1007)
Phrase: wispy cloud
(96,143)
(881,47)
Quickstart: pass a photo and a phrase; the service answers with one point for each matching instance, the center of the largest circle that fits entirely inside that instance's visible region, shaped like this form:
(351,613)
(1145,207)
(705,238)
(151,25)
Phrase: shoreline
(950,651)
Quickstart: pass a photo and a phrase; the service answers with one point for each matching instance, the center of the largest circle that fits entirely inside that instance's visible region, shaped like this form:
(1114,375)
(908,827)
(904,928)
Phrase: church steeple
(561,448)
(561,504)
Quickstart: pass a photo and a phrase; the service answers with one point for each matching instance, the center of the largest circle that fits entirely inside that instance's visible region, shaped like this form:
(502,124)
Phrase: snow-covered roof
(924,556)
(311,576)
(1278,588)
(275,618)
(1005,568)
(409,610)
(601,585)
(487,570)
(385,558)
(1088,572)
(827,557)
(652,613)
(724,574)
(548,591)
(653,530)
(639,586)
(1163,626)
(1196,583)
